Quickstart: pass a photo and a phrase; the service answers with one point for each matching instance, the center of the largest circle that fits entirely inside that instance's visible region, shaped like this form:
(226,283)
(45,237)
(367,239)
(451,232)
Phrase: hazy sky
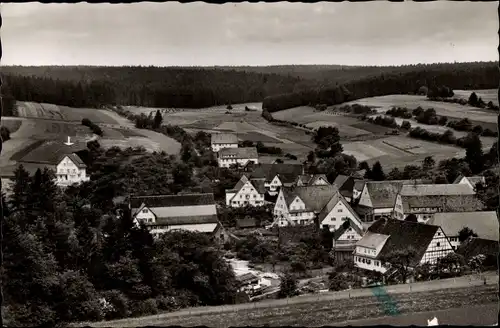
(174,34)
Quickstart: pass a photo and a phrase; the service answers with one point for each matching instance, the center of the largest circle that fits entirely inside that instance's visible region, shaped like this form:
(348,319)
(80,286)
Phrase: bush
(229,107)
(119,304)
(442,120)
(4,133)
(399,112)
(94,127)
(145,307)
(406,125)
(489,133)
(477,129)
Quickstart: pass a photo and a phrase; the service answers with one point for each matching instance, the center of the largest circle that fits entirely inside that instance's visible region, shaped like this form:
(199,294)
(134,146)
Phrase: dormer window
(145,210)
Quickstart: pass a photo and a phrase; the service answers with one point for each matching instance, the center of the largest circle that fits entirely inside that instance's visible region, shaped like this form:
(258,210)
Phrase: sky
(253,34)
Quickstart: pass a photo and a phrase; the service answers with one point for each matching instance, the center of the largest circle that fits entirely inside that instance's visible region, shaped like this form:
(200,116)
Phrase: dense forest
(280,87)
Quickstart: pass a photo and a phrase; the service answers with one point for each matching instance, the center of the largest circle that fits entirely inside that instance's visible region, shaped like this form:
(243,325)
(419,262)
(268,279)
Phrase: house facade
(276,176)
(239,156)
(311,180)
(190,212)
(428,242)
(426,199)
(484,224)
(301,205)
(470,181)
(246,193)
(70,170)
(336,212)
(223,140)
(345,239)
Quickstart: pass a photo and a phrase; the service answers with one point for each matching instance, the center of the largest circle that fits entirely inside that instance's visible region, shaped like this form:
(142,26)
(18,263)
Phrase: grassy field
(315,314)
(487,94)
(12,124)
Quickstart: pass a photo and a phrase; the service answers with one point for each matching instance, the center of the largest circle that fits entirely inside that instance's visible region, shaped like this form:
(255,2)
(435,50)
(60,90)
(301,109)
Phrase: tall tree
(474,153)
(157,120)
(377,173)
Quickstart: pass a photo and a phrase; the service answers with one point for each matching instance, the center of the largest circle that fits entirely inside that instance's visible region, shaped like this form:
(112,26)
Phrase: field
(11,123)
(487,95)
(323,312)
(237,108)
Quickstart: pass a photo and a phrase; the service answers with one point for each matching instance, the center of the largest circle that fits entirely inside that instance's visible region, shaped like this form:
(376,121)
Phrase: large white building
(237,156)
(384,236)
(223,140)
(246,193)
(70,170)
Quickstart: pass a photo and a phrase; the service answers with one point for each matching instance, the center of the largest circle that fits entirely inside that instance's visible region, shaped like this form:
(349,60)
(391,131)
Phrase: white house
(246,192)
(240,156)
(191,212)
(387,235)
(470,181)
(484,224)
(311,180)
(223,140)
(377,198)
(275,176)
(345,239)
(70,170)
(300,205)
(336,212)
(426,199)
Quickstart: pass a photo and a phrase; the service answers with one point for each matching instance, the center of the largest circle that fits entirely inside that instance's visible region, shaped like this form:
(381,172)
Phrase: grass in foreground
(326,312)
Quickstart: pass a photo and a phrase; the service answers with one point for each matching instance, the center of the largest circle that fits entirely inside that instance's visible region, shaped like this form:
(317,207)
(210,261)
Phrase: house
(346,186)
(247,281)
(301,205)
(311,180)
(426,199)
(276,176)
(345,239)
(336,211)
(484,224)
(191,212)
(223,140)
(70,169)
(378,197)
(239,156)
(470,181)
(246,192)
(357,190)
(474,247)
(386,235)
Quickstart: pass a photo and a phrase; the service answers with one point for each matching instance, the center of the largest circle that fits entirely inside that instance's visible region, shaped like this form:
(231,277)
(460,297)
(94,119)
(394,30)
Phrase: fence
(459,282)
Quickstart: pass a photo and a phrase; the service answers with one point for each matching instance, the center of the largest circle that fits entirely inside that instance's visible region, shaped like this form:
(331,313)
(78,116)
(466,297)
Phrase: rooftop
(239,153)
(224,138)
(484,224)
(172,200)
(436,190)
(286,172)
(372,240)
(314,197)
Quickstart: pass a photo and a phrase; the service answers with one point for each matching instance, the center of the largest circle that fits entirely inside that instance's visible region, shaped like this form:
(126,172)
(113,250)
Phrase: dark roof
(224,138)
(404,234)
(172,200)
(183,220)
(383,193)
(239,153)
(340,231)
(246,277)
(286,172)
(449,203)
(310,179)
(75,159)
(257,184)
(345,184)
(476,246)
(247,222)
(314,197)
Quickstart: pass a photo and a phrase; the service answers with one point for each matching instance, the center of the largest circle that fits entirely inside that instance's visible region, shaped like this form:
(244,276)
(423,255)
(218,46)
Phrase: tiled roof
(484,224)
(476,246)
(246,277)
(185,220)
(359,184)
(472,180)
(224,138)
(172,200)
(340,231)
(257,184)
(310,179)
(404,234)
(372,239)
(436,190)
(331,204)
(453,203)
(286,172)
(383,193)
(314,197)
(346,184)
(75,159)
(239,153)
(340,180)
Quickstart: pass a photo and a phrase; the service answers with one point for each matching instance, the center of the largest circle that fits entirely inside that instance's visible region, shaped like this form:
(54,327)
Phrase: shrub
(399,112)
(144,307)
(442,120)
(477,129)
(119,304)
(4,133)
(489,133)
(229,107)
(406,125)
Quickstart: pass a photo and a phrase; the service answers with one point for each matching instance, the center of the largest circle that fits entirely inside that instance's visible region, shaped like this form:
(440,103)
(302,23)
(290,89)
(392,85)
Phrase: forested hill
(468,76)
(84,86)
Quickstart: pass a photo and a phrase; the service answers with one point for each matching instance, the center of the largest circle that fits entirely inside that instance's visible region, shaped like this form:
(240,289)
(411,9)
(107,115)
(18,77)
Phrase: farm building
(301,205)
(426,199)
(311,180)
(237,156)
(346,185)
(191,212)
(470,181)
(484,224)
(275,176)
(429,243)
(377,198)
(345,239)
(70,170)
(223,140)
(246,193)
(336,212)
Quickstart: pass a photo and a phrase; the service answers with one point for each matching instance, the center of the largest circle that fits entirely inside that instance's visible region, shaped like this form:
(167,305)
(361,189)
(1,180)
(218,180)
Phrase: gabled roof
(239,153)
(159,201)
(372,239)
(383,193)
(484,224)
(475,246)
(472,180)
(286,172)
(346,184)
(74,158)
(337,197)
(224,138)
(359,184)
(314,197)
(340,180)
(343,228)
(257,184)
(420,190)
(404,234)
(310,179)
(247,277)
(185,220)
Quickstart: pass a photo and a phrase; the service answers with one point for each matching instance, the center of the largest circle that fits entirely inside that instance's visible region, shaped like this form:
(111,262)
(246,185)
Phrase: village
(368,220)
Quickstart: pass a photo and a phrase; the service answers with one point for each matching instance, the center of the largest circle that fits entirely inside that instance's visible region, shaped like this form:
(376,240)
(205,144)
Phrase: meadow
(487,95)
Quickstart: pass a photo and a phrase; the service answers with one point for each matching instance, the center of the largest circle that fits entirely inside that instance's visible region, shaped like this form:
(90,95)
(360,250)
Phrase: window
(439,234)
(339,210)
(369,261)
(325,226)
(145,210)
(438,244)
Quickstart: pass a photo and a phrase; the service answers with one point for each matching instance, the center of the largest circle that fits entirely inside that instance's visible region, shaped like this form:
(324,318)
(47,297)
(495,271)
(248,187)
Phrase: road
(479,315)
